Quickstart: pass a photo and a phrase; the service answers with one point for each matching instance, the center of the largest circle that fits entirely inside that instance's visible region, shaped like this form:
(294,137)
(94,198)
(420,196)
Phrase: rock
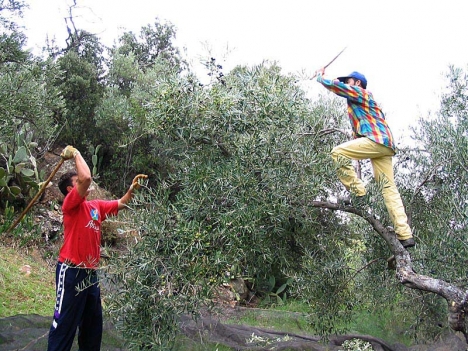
(239,288)
(52,193)
(50,222)
(224,295)
(26,269)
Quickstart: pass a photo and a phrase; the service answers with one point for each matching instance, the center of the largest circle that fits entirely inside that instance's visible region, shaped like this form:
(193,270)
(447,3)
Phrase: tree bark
(457,299)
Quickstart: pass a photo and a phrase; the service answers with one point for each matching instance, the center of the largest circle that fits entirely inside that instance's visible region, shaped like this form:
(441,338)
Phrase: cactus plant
(94,158)
(19,175)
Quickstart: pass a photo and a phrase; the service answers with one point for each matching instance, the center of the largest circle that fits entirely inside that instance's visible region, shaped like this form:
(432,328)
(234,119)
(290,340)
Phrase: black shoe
(407,243)
(347,200)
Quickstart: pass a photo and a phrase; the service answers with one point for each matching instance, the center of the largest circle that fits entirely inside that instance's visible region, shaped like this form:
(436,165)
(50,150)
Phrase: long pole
(39,193)
(329,63)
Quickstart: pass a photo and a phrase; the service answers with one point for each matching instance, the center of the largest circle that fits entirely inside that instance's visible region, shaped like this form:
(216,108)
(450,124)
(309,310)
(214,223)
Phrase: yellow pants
(381,159)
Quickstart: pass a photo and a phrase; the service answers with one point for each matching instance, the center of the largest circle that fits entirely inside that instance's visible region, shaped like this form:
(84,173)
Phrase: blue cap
(357,76)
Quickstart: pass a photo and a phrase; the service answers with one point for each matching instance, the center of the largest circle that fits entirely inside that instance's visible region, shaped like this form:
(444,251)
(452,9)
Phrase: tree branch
(456,298)
(324,132)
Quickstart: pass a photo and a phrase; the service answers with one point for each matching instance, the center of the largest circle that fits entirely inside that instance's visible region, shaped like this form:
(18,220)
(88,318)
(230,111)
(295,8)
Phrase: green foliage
(18,172)
(274,294)
(7,217)
(154,43)
(11,48)
(239,160)
(27,105)
(124,72)
(82,91)
(81,85)
(95,159)
(431,178)
(27,98)
(233,167)
(438,205)
(233,201)
(136,66)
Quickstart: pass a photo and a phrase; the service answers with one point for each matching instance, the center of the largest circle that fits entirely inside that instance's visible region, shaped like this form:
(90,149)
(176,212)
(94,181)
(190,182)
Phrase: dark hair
(363,84)
(66,181)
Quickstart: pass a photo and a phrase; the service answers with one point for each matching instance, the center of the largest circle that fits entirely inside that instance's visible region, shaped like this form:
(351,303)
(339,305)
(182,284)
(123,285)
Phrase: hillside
(27,282)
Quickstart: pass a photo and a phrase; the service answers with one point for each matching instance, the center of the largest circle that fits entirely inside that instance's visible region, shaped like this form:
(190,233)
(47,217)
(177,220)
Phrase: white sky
(402,46)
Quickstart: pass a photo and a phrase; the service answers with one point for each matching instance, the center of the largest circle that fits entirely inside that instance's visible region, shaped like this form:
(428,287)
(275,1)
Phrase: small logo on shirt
(94,214)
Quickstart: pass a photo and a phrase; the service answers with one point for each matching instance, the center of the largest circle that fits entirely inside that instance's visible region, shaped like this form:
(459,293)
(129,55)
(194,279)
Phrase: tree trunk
(456,298)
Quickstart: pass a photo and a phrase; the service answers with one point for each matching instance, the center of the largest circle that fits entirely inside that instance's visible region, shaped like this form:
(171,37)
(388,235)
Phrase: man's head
(355,78)
(67,180)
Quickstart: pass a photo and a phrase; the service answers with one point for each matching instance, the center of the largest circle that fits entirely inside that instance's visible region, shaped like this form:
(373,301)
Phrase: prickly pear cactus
(18,175)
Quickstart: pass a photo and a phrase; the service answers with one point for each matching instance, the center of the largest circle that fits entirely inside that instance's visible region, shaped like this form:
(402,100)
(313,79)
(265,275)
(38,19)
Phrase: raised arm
(84,174)
(351,92)
(129,194)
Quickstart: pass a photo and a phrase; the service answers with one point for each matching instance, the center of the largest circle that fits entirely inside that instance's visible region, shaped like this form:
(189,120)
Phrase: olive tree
(432,177)
(439,200)
(243,159)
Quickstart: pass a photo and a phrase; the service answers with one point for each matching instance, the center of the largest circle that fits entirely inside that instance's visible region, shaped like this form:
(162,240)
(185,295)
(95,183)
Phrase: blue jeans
(78,306)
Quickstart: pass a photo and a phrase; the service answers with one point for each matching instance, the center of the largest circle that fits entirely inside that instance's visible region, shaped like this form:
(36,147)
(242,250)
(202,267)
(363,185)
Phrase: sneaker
(356,201)
(407,243)
(345,200)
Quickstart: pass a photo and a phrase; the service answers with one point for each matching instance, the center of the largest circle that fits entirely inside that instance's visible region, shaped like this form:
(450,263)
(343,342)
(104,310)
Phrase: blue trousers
(78,306)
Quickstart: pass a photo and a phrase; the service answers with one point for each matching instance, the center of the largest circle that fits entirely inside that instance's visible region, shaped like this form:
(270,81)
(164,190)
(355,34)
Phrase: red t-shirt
(82,229)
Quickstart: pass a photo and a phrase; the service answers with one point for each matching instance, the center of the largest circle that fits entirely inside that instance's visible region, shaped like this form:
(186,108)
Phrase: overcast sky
(404,47)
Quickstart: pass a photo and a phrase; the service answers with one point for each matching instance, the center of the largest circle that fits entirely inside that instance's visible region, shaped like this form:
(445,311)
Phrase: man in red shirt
(78,300)
(374,141)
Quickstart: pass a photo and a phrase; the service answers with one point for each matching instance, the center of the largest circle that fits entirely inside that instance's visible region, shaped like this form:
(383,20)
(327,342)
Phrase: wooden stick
(329,63)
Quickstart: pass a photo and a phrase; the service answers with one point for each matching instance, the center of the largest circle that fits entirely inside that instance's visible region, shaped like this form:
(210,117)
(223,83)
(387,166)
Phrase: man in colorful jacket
(374,141)
(78,299)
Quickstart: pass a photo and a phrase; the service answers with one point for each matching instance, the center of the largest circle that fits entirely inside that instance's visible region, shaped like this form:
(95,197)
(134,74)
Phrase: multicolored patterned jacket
(365,115)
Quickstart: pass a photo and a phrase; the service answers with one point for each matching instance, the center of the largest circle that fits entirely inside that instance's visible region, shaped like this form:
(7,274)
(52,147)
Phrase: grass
(23,293)
(291,321)
(384,325)
(290,317)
